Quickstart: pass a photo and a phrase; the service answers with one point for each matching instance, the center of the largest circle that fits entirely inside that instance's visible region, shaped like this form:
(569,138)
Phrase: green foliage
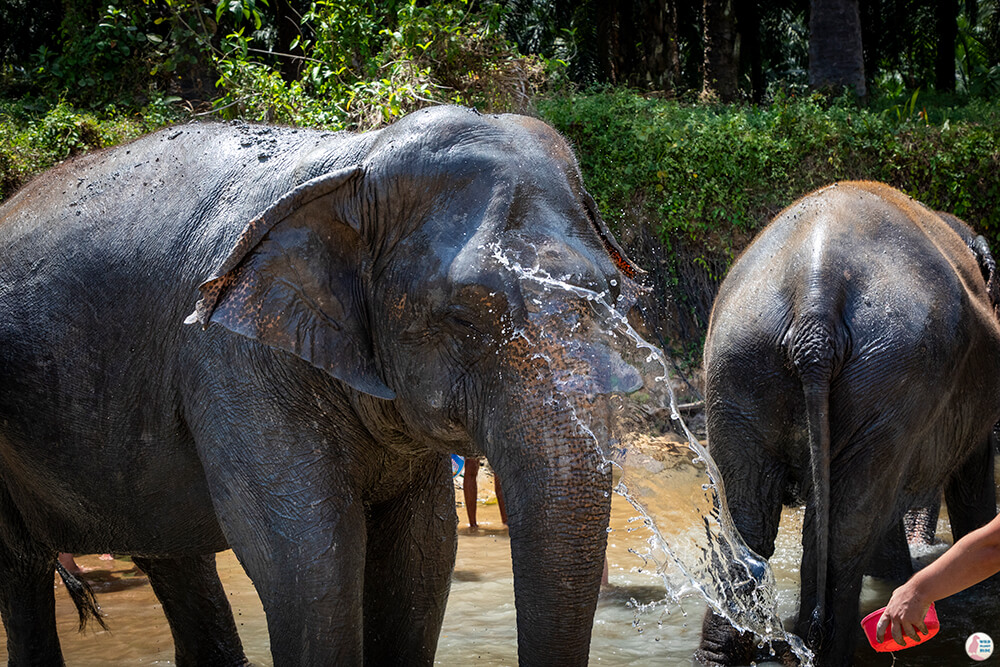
(686,187)
(27,25)
(187,41)
(715,175)
(977,47)
(241,10)
(34,136)
(100,63)
(368,63)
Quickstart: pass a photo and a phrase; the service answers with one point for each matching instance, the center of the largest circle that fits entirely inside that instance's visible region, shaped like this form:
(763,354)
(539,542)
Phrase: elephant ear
(632,276)
(980,248)
(988,267)
(294,279)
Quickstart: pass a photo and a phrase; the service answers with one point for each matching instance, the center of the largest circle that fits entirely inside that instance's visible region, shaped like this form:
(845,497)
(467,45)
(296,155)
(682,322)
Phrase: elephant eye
(463,318)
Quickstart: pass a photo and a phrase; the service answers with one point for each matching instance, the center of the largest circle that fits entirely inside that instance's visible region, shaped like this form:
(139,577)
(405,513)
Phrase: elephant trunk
(558,502)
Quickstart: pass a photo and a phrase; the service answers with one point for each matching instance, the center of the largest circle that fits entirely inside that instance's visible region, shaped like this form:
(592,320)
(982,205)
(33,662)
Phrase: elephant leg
(27,599)
(891,559)
(754,491)
(297,525)
(921,522)
(411,553)
(854,530)
(971,493)
(197,610)
(305,558)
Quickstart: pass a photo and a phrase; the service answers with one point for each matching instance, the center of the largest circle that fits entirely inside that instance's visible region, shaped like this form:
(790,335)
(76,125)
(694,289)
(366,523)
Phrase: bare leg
(67,561)
(470,489)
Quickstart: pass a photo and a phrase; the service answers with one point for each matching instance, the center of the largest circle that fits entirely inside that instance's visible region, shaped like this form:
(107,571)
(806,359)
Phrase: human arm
(970,560)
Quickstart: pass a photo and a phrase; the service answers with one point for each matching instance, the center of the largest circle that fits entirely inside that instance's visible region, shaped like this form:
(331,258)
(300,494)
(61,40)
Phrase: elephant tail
(814,350)
(83,597)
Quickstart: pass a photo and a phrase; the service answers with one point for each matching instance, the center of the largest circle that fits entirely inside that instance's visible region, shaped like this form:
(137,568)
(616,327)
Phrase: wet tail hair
(83,597)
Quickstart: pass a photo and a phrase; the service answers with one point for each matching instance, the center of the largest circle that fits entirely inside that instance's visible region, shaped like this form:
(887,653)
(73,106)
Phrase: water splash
(693,545)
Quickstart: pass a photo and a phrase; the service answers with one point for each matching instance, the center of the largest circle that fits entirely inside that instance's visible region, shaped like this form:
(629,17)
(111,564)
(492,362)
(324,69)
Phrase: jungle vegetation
(694,121)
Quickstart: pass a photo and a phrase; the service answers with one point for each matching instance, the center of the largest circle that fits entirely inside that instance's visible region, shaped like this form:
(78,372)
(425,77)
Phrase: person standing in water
(972,559)
(471,491)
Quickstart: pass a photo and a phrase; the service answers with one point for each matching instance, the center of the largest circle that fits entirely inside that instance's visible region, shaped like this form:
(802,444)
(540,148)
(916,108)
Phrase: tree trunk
(606,23)
(721,60)
(287,22)
(836,58)
(748,29)
(671,46)
(874,18)
(691,35)
(627,66)
(946,18)
(656,27)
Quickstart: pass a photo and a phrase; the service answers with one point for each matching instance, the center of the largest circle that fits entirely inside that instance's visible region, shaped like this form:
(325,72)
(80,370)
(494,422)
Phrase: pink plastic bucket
(870,625)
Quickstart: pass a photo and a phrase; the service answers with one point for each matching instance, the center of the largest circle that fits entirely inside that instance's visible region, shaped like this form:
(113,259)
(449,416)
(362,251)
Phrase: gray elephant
(852,361)
(366,304)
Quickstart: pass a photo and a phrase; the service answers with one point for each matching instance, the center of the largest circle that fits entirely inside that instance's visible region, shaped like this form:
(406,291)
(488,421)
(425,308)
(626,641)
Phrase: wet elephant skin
(270,339)
(853,362)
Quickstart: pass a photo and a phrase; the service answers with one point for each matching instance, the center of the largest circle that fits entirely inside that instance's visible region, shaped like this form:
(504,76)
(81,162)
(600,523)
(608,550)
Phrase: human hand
(904,615)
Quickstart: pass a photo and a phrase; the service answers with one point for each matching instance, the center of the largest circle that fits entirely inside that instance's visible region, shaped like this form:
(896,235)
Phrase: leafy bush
(99,63)
(368,63)
(35,136)
(718,173)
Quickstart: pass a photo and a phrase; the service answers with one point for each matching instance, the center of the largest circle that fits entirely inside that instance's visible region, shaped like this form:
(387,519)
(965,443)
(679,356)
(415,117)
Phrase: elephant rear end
(851,361)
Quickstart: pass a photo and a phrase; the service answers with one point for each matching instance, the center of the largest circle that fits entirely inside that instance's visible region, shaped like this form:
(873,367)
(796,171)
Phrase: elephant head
(452,277)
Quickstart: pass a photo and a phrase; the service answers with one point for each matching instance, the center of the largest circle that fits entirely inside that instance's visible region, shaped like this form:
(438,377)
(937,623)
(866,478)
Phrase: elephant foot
(722,645)
(782,655)
(779,652)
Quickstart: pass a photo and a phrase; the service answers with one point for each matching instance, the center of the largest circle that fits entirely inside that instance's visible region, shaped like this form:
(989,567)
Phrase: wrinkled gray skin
(354,326)
(853,361)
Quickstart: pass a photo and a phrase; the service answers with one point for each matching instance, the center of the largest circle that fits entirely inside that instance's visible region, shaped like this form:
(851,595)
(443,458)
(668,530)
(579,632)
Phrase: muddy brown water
(479,625)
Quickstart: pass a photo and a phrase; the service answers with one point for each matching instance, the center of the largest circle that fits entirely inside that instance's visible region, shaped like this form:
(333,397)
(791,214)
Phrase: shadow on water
(111,581)
(625,594)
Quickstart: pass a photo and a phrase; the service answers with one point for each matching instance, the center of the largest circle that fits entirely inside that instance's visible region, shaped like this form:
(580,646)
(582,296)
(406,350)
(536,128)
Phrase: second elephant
(853,362)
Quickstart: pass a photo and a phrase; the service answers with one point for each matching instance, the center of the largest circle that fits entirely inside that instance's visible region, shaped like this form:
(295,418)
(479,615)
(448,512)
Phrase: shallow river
(479,623)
